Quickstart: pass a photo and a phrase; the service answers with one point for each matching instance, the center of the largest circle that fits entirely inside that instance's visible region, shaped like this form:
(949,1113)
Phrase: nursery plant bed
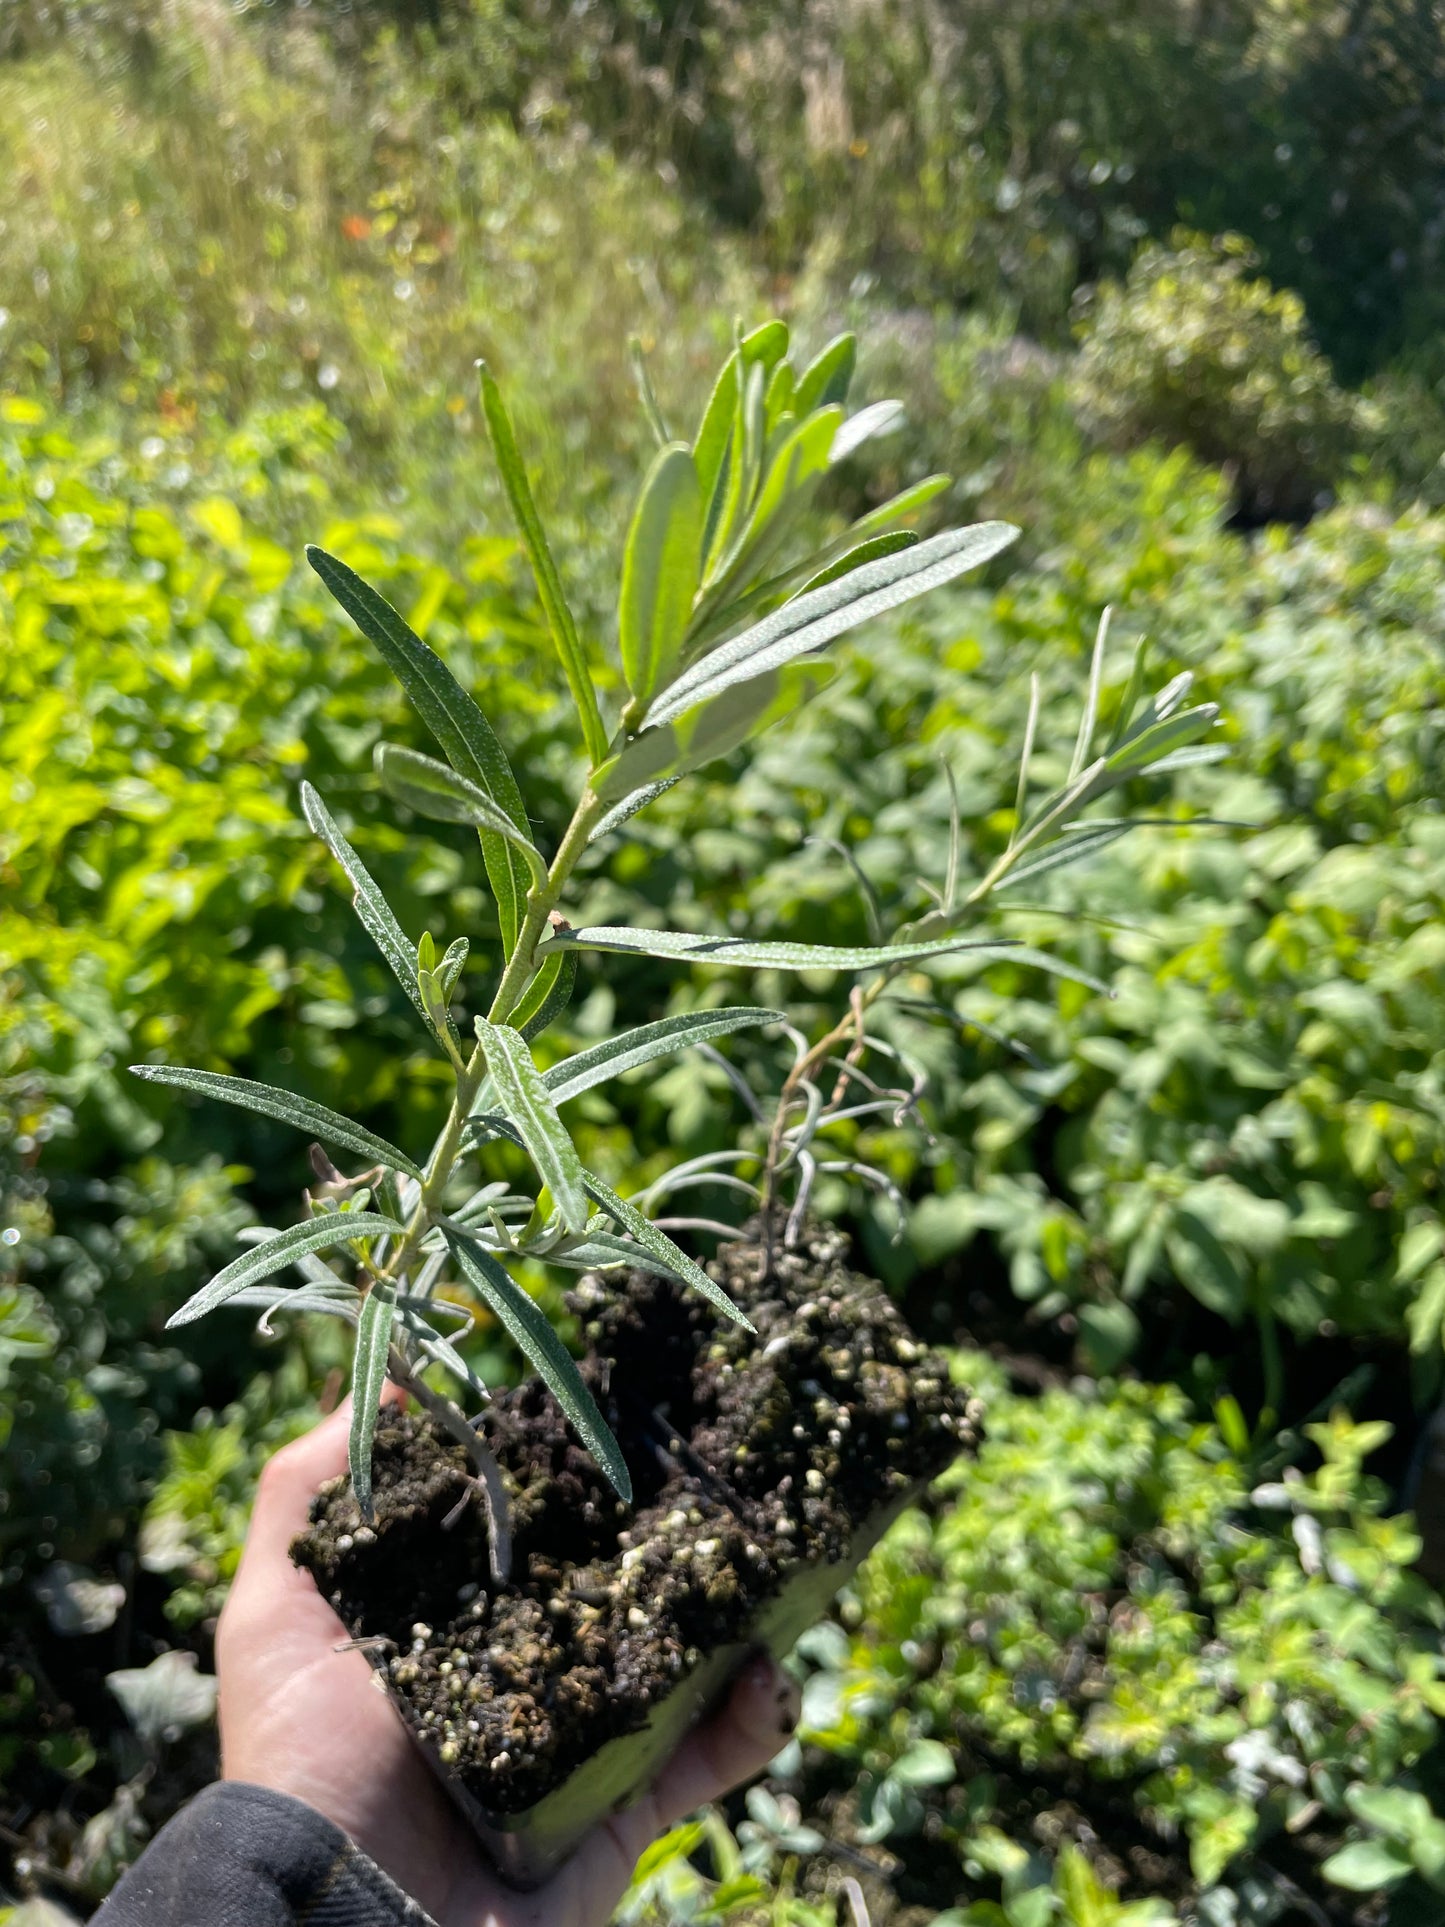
(764,1468)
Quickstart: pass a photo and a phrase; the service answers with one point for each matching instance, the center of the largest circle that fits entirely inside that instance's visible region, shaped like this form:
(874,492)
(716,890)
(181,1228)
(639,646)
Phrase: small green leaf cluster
(1107,1599)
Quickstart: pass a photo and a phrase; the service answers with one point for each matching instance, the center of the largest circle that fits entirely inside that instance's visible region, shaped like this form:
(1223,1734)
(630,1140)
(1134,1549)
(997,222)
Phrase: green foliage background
(241,313)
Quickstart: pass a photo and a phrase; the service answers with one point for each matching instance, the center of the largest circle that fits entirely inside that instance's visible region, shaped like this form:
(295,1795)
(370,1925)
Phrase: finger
(733,1746)
(289,1481)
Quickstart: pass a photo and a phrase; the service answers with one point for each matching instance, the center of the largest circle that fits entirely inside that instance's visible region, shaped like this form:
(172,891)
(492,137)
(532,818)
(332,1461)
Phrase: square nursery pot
(764,1468)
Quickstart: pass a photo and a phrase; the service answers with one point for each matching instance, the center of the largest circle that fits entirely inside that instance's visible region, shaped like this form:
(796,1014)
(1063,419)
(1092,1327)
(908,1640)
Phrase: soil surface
(751,1455)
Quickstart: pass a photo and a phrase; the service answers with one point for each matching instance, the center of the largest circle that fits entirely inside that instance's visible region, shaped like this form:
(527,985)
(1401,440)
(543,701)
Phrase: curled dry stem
(488,1482)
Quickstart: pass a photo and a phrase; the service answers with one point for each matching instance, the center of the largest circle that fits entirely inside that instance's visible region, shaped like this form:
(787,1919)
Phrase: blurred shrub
(1195,349)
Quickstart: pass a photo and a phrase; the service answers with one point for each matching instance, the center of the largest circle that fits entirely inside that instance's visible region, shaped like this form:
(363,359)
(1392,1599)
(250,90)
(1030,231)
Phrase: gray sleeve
(243,1856)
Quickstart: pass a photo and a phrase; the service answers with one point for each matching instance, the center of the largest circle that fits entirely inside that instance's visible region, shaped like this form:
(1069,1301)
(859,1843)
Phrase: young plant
(720,624)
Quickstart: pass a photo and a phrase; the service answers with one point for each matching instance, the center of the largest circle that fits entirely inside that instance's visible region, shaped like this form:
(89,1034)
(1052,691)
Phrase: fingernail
(761,1674)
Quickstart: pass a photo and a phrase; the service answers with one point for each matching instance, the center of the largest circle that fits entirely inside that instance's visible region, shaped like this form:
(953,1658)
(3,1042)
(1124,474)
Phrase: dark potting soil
(751,1456)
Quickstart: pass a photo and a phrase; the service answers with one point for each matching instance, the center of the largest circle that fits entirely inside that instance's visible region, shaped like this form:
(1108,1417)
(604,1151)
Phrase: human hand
(304,1719)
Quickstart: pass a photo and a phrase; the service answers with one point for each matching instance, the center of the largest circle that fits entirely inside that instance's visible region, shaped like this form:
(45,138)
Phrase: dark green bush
(1195,349)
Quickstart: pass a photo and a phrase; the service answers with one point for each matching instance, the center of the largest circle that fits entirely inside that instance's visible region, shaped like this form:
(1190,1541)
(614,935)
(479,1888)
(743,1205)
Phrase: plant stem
(521,965)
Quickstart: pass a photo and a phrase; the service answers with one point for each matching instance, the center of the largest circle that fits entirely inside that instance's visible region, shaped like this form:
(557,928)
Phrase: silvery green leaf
(621,813)
(261,1261)
(526,1100)
(442,1352)
(335,1301)
(1091,702)
(661,1247)
(1143,747)
(285,1106)
(693,947)
(1085,842)
(449,713)
(602,1251)
(368,1378)
(432,789)
(893,542)
(714,431)
(879,418)
(161,1700)
(635,1047)
(450,967)
(371,906)
(546,998)
(713,728)
(1195,757)
(661,567)
(549,583)
(826,377)
(809,621)
(788,486)
(529,1328)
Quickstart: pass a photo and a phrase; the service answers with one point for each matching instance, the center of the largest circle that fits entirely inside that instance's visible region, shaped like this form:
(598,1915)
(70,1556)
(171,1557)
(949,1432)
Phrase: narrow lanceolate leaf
(1087,841)
(547,997)
(261,1261)
(370,905)
(648,1041)
(1085,739)
(713,728)
(368,1376)
(638,799)
(787,488)
(1053,966)
(660,569)
(661,1247)
(431,789)
(809,621)
(525,1099)
(549,583)
(534,1336)
(766,345)
(450,967)
(715,429)
(286,1107)
(465,735)
(826,378)
(879,418)
(873,550)
(690,947)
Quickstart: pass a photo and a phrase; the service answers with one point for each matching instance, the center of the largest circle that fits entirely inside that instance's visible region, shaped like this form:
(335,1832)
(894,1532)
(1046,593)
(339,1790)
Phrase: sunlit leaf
(286,1107)
(465,735)
(371,906)
(432,789)
(809,621)
(549,583)
(526,1100)
(262,1260)
(534,1336)
(662,1247)
(826,378)
(649,1041)
(693,947)
(368,1377)
(661,566)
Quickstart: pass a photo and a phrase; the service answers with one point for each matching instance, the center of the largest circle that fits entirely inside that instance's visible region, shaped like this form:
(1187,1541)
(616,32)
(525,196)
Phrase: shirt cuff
(244,1856)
